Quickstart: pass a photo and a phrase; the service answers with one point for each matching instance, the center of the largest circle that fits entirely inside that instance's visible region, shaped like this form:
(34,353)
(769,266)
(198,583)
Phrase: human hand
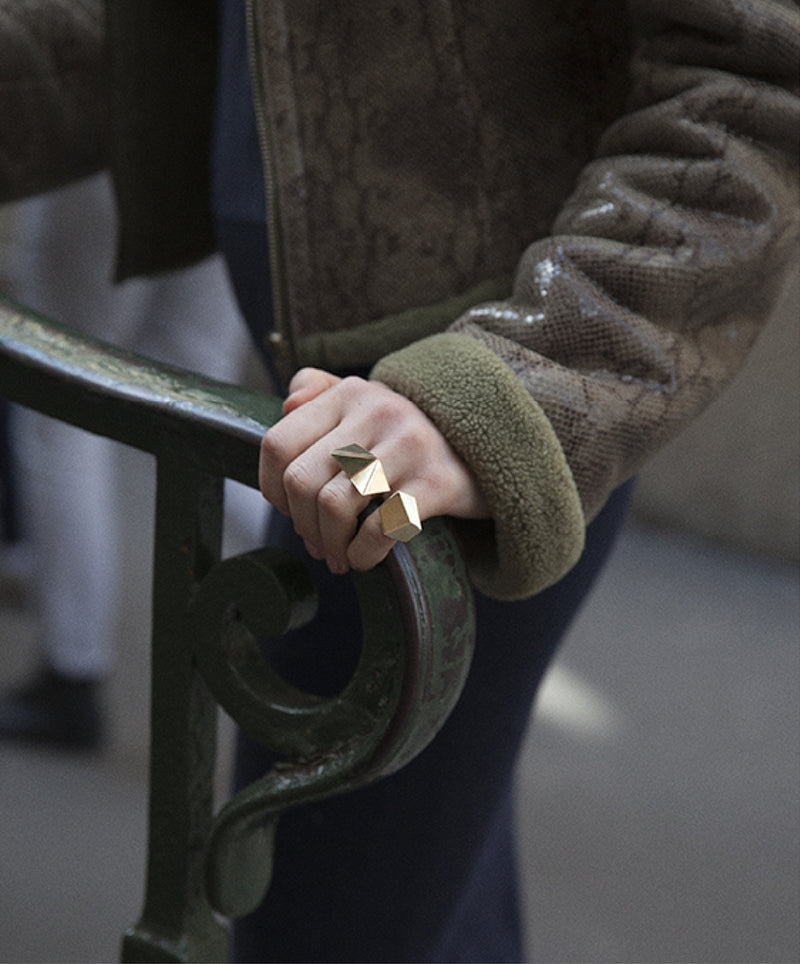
(299,476)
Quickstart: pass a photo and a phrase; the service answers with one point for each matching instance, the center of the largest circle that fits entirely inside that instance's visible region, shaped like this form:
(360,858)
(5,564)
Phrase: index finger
(297,434)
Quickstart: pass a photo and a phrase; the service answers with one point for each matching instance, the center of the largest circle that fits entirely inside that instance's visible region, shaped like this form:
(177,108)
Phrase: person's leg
(9,518)
(67,475)
(419,866)
(68,484)
(62,267)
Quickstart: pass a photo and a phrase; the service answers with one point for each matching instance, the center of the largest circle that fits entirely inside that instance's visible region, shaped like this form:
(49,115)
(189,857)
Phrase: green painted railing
(417,625)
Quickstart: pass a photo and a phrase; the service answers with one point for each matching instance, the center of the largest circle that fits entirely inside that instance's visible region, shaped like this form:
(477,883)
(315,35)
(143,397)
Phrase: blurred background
(659,790)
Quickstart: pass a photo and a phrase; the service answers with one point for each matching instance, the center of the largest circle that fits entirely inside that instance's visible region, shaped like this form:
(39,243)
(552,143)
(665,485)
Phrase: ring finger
(346,496)
(339,506)
(323,504)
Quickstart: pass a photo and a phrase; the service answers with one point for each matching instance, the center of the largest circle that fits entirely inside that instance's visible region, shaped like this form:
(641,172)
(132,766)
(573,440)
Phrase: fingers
(369,546)
(325,516)
(293,440)
(300,477)
(338,507)
(297,473)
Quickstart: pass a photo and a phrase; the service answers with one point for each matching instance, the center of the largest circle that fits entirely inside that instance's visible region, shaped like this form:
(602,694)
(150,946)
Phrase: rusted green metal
(417,627)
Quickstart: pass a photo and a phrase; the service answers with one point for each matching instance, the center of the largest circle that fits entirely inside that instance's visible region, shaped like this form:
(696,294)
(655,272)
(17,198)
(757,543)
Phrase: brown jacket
(641,158)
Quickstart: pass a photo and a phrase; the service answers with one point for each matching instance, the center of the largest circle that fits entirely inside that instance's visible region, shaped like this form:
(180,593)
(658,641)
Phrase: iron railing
(417,625)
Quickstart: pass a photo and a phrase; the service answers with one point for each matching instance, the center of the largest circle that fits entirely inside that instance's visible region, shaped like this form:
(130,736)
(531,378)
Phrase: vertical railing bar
(177,923)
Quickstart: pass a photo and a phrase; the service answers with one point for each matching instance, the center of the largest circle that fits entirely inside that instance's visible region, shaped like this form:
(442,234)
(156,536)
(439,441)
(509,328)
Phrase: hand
(299,476)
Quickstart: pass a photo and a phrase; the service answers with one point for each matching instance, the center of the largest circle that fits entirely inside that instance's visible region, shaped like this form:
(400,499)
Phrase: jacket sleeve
(661,269)
(52,93)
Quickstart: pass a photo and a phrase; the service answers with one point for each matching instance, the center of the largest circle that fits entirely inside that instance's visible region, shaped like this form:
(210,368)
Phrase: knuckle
(273,450)
(352,383)
(386,409)
(295,480)
(350,388)
(416,445)
(333,501)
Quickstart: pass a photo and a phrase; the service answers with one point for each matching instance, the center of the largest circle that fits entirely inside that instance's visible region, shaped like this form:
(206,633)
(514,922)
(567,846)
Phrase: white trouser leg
(64,268)
(69,509)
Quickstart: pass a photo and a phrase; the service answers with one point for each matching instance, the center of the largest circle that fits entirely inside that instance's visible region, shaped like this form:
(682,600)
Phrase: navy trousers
(419,866)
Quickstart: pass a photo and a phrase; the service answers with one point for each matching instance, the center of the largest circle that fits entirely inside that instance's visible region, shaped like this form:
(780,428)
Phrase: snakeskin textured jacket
(556,225)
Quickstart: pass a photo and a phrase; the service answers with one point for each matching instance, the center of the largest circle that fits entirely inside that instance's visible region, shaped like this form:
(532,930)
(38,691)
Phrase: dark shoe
(53,709)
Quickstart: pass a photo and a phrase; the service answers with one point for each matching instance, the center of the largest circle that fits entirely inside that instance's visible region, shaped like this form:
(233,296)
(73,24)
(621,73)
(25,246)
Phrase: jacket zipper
(279,342)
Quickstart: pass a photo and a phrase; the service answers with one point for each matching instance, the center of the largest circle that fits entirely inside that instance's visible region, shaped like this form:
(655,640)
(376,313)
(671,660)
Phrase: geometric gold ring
(399,513)
(363,469)
(400,517)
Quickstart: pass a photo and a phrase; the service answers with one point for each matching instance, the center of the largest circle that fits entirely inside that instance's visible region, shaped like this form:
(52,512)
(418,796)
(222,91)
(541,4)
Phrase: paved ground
(659,794)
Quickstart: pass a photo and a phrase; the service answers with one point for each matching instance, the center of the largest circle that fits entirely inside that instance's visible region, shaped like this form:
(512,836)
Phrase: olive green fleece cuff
(537,528)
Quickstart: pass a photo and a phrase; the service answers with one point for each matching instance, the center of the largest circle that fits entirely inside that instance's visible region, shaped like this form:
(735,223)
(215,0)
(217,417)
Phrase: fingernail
(335,567)
(312,550)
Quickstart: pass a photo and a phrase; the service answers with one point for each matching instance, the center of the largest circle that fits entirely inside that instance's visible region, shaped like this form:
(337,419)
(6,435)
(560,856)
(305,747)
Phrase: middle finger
(323,503)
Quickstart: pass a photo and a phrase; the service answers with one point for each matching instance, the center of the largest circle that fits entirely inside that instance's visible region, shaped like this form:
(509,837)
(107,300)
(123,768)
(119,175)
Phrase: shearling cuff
(537,528)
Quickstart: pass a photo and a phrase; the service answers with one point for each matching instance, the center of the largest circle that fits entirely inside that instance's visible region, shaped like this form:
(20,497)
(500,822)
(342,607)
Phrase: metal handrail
(417,628)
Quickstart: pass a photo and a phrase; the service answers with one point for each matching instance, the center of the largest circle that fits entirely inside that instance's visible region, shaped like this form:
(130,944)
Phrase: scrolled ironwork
(416,651)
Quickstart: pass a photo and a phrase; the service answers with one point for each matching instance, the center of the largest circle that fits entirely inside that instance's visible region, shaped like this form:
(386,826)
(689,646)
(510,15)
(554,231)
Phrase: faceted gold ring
(399,513)
(400,517)
(363,469)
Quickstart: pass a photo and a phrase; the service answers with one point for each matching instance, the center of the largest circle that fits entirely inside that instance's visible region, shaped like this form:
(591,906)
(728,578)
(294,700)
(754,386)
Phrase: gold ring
(363,469)
(399,513)
(400,517)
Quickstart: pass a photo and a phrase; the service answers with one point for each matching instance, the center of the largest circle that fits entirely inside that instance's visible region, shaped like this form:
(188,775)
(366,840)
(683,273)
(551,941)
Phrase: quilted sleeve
(660,271)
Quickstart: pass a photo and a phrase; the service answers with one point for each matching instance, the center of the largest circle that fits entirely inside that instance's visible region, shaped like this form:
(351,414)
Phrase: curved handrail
(131,399)
(417,629)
